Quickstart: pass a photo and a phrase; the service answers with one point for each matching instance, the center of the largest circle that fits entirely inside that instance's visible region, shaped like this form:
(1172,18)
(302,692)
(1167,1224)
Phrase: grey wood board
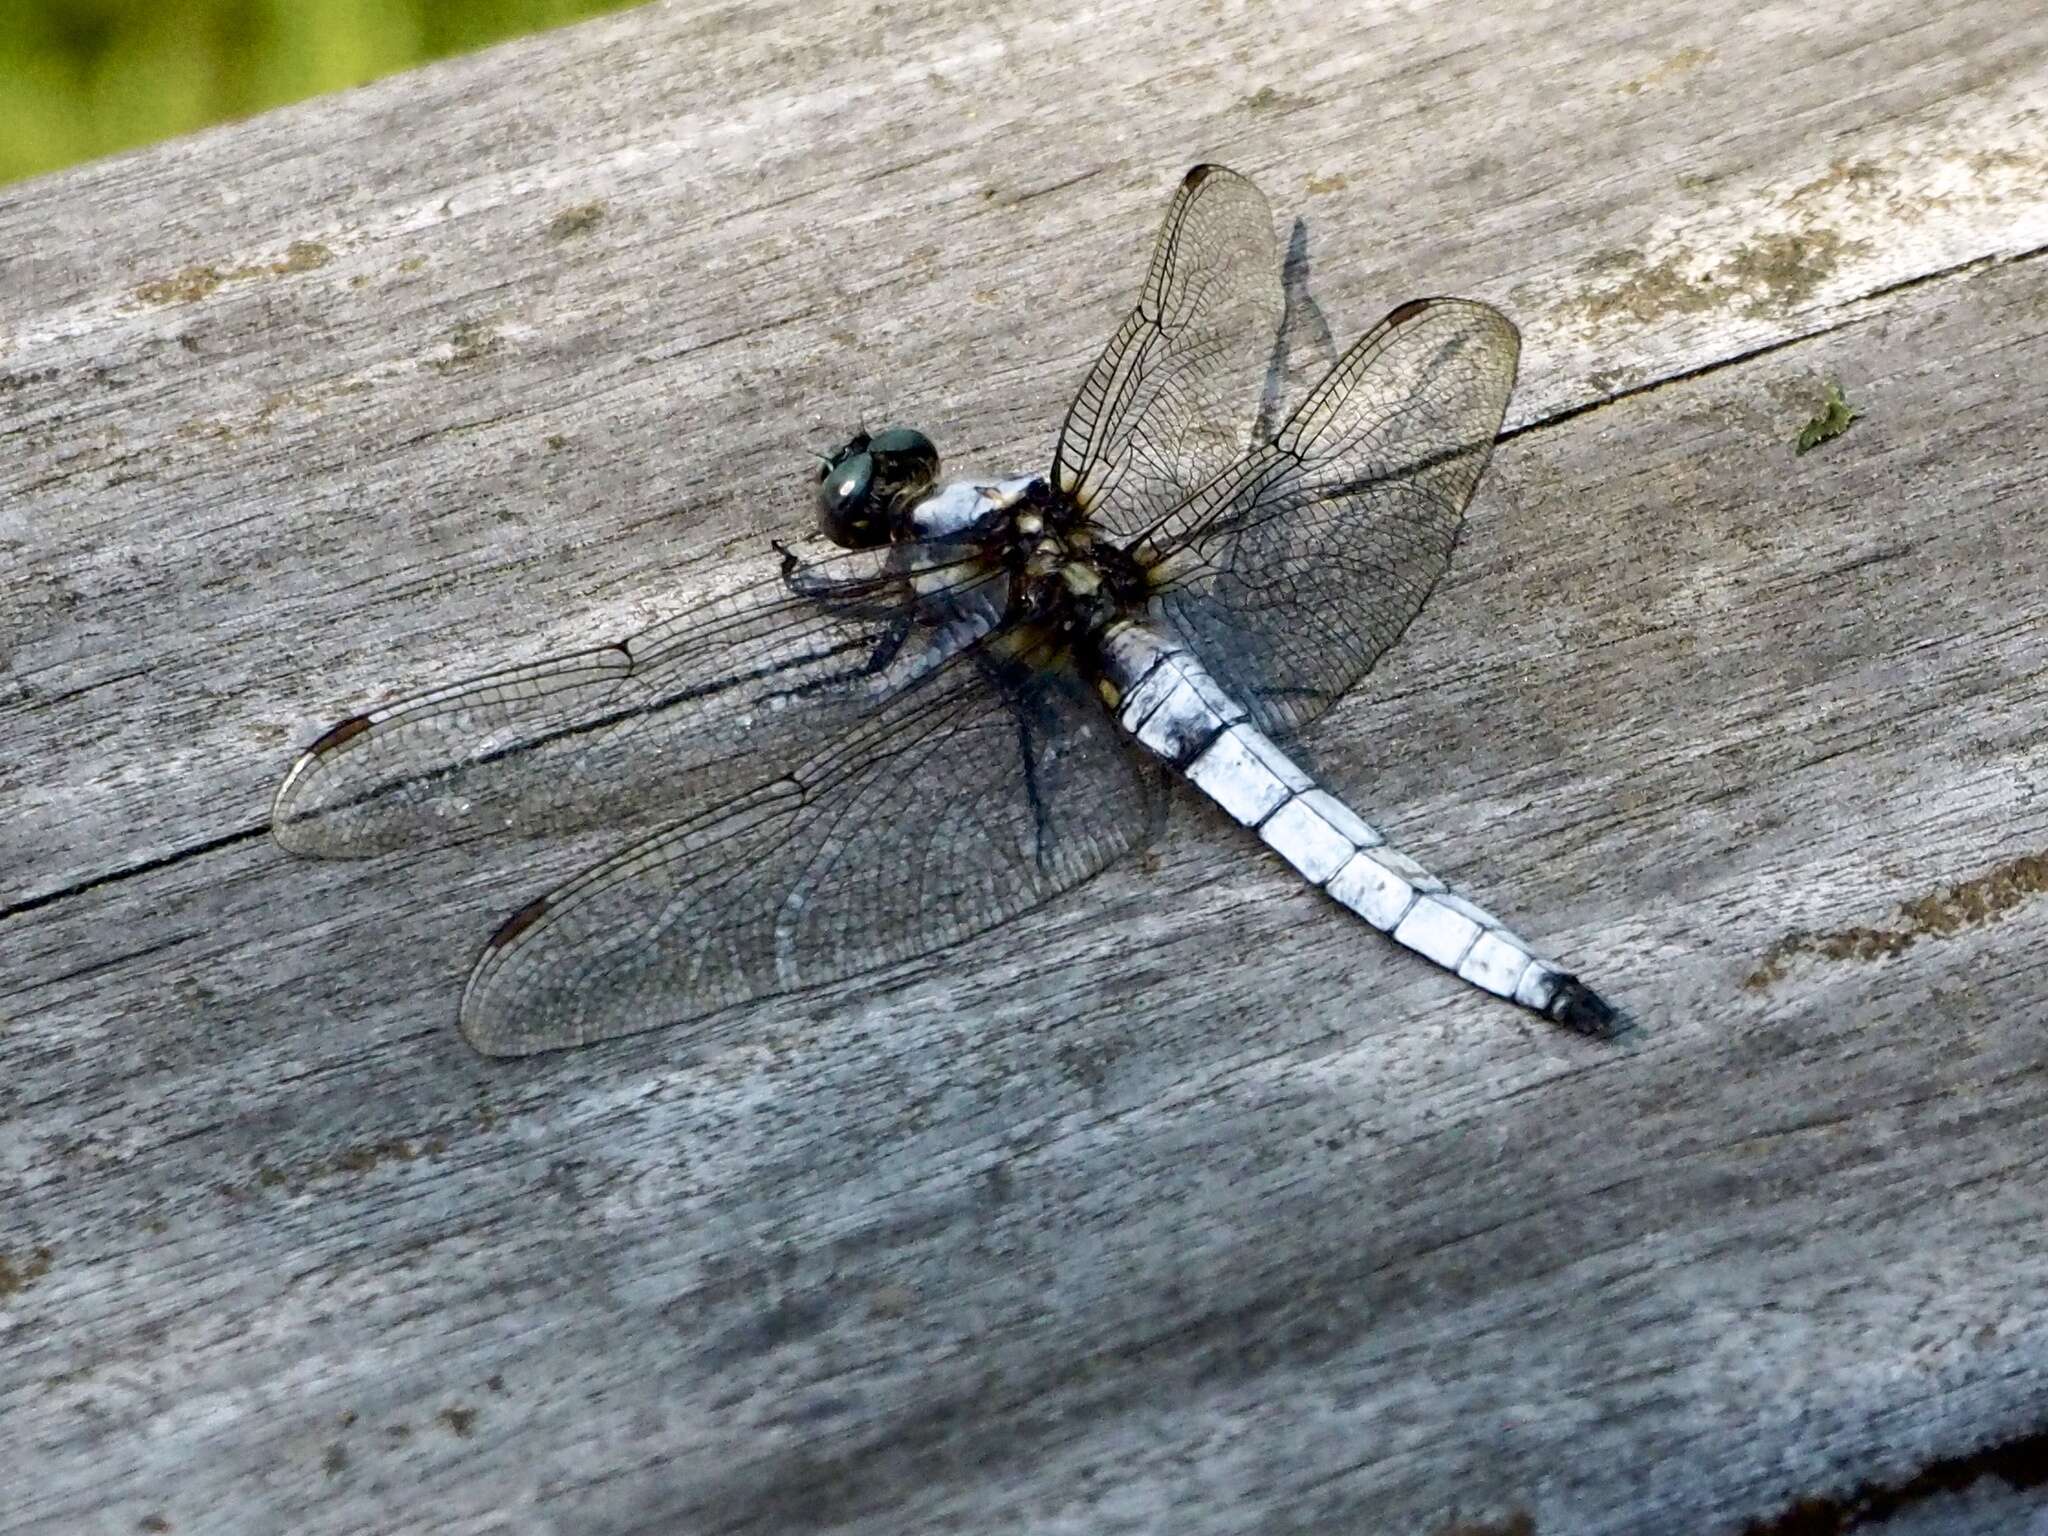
(1183,1203)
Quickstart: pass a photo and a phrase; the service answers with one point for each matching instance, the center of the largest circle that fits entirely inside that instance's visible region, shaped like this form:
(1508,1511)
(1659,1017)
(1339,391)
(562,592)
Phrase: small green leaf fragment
(1833,420)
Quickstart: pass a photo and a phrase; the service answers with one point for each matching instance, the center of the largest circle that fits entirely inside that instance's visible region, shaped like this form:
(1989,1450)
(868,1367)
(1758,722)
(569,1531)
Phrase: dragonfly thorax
(1063,575)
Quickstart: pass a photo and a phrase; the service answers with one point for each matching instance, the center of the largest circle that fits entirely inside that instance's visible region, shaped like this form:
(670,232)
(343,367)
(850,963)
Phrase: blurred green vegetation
(80,78)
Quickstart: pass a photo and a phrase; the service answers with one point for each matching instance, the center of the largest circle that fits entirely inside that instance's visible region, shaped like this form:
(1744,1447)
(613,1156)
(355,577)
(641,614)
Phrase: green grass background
(80,78)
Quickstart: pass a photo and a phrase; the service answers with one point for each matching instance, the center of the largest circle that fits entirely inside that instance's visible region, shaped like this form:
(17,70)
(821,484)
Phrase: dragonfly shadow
(1304,348)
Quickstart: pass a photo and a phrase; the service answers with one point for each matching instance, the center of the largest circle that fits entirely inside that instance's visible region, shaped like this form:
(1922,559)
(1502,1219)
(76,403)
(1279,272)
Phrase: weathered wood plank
(1183,1204)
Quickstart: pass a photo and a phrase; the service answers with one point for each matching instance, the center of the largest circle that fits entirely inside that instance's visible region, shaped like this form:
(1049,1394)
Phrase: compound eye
(846,504)
(906,455)
(858,443)
(905,440)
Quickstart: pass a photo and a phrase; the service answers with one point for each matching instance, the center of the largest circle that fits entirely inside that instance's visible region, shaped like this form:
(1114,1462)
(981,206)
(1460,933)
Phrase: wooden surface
(1184,1204)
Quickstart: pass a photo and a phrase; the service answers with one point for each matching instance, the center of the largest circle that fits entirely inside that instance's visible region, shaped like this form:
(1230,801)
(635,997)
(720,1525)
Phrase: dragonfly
(957,700)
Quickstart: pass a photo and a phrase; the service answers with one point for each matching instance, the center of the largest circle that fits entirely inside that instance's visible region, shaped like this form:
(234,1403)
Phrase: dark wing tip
(517,924)
(477,1021)
(348,730)
(295,827)
(1401,314)
(1579,1008)
(1199,174)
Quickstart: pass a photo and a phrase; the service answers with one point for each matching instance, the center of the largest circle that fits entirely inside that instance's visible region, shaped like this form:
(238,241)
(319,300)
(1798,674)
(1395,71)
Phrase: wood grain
(1183,1203)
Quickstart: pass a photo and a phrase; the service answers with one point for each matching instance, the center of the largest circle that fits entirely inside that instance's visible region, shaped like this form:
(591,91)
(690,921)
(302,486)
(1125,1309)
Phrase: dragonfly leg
(888,645)
(1030,729)
(858,597)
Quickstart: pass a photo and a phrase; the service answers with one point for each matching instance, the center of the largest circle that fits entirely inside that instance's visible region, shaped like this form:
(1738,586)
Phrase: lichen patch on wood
(18,1274)
(580,220)
(194,283)
(1967,904)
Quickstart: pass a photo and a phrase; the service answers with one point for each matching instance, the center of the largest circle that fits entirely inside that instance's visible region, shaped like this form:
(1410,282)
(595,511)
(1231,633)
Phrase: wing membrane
(634,733)
(993,785)
(1295,570)
(1169,403)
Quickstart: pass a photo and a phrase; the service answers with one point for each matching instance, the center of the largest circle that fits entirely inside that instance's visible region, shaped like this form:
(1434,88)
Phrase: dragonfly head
(866,487)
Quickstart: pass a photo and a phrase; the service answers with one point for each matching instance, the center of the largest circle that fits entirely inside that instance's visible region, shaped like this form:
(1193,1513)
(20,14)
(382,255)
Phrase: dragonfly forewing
(1174,396)
(1295,570)
(633,735)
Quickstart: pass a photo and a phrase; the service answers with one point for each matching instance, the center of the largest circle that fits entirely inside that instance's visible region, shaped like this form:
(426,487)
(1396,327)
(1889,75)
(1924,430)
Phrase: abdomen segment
(1168,701)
